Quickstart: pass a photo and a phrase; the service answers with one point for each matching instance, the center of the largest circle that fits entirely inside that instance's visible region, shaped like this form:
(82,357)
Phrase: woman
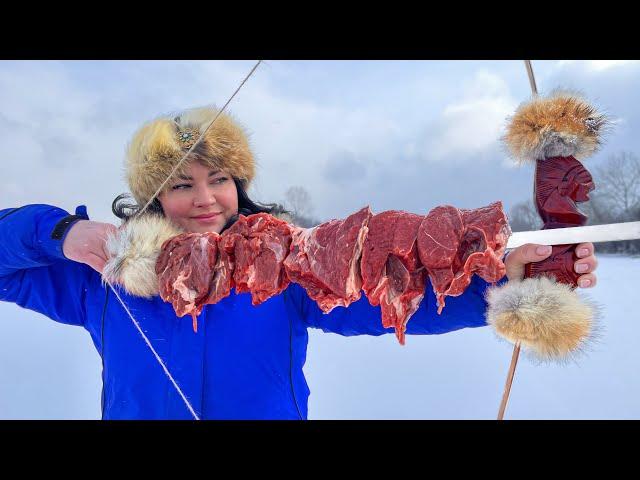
(245,362)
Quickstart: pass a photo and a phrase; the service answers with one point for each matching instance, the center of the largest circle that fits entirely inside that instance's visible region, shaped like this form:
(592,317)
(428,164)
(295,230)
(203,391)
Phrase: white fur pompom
(548,318)
(133,251)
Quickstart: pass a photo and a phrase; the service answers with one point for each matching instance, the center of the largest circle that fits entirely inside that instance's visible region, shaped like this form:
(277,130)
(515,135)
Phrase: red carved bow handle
(560,183)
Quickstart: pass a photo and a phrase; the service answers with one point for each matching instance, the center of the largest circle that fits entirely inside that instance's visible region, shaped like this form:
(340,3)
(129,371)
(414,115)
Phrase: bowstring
(155,354)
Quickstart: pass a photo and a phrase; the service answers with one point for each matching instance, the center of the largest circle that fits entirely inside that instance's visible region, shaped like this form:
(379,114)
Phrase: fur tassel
(133,252)
(548,318)
(560,125)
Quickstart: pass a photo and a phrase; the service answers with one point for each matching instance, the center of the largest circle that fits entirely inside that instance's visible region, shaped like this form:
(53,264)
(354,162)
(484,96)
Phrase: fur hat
(160,144)
(560,125)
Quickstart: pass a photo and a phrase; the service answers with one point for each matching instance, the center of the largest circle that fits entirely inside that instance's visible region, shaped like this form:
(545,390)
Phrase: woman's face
(202,201)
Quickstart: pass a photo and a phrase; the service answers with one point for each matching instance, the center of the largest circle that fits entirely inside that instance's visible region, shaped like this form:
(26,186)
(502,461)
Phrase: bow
(543,312)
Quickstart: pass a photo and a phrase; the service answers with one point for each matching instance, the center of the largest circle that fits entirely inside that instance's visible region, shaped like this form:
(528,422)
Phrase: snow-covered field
(51,371)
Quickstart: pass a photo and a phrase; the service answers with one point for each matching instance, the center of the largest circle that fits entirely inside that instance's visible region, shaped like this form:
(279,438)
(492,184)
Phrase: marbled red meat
(392,275)
(254,249)
(387,255)
(185,268)
(325,260)
(454,244)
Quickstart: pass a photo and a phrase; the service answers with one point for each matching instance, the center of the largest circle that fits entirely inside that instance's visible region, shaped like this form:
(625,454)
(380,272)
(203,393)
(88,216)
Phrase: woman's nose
(203,197)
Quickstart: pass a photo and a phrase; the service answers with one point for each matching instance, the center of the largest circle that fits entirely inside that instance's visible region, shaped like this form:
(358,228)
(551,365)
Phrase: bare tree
(299,201)
(597,208)
(524,217)
(618,181)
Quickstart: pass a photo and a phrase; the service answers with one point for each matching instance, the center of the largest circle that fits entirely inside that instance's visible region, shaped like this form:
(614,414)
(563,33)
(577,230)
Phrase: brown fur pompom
(560,125)
(548,318)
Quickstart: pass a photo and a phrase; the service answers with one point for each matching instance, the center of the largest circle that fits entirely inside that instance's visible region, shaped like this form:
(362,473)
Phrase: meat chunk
(482,247)
(454,244)
(439,236)
(254,249)
(185,268)
(222,280)
(392,275)
(325,260)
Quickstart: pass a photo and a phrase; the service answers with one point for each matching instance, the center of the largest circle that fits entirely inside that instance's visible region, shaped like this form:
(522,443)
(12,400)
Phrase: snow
(461,375)
(52,371)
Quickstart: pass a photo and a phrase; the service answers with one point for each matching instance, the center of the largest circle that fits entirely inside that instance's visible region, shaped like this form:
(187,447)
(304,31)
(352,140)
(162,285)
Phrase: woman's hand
(85,243)
(519,257)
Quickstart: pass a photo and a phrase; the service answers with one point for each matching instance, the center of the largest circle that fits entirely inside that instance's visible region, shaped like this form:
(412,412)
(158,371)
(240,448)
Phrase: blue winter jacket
(244,362)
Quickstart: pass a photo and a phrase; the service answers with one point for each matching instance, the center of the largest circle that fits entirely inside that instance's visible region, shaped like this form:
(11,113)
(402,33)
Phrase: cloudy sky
(404,135)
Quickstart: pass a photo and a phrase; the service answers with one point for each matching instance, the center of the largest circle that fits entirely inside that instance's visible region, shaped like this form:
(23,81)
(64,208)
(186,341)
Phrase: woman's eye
(181,186)
(220,180)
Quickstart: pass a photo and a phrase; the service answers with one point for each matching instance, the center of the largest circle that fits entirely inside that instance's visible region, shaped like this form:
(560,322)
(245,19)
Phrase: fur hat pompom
(133,251)
(560,125)
(549,319)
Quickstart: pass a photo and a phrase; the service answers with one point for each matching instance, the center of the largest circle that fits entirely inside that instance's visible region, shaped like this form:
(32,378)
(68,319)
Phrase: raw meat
(454,244)
(325,260)
(254,249)
(392,275)
(387,255)
(185,269)
(222,280)
(482,247)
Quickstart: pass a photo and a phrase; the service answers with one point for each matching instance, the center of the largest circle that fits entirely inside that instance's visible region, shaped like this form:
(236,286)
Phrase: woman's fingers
(519,257)
(585,249)
(530,252)
(587,281)
(586,265)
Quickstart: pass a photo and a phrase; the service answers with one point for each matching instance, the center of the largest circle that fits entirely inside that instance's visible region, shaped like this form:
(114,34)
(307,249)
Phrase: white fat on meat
(354,282)
(252,273)
(277,249)
(188,294)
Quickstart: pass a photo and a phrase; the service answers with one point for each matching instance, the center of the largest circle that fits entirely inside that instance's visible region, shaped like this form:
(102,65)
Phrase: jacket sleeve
(34,273)
(360,318)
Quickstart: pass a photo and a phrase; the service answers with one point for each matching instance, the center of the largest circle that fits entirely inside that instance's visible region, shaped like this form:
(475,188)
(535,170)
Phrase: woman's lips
(207,219)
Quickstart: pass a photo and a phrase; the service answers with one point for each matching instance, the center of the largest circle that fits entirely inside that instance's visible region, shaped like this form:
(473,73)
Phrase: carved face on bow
(577,184)
(561,182)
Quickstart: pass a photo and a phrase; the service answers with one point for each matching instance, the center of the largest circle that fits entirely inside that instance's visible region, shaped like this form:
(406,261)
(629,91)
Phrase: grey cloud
(409,183)
(345,168)
(60,151)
